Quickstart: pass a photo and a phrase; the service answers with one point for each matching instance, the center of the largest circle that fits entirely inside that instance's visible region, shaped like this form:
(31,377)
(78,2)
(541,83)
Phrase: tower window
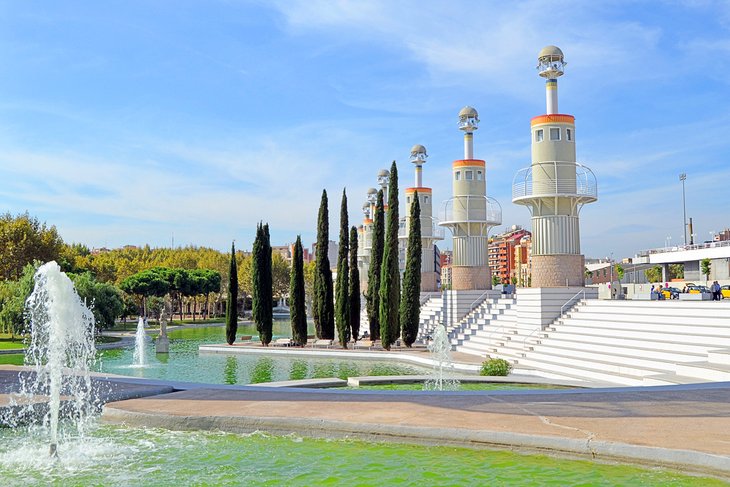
(469,175)
(408,199)
(425,199)
(479,175)
(554,133)
(539,135)
(569,134)
(457,175)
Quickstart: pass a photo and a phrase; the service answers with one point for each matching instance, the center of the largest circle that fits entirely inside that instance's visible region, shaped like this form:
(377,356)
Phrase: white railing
(471,209)
(436,233)
(555,179)
(681,248)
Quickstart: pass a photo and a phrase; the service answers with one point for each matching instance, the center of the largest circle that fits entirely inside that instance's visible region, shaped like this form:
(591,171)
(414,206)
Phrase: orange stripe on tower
(554,118)
(420,190)
(469,163)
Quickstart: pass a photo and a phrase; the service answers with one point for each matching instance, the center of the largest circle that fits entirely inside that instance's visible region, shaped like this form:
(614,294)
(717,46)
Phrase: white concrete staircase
(431,315)
(492,325)
(631,343)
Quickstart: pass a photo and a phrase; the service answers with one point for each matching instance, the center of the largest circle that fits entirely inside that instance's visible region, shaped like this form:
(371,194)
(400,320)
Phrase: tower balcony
(555,179)
(471,209)
(429,229)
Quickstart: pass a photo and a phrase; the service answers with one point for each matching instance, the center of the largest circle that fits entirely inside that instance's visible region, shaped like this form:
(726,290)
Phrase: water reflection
(230,371)
(299,370)
(263,370)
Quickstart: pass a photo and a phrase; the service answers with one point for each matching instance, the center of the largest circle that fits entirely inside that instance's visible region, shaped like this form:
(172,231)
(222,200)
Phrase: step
(638,370)
(712,341)
(666,363)
(670,378)
(705,370)
(719,356)
(662,320)
(648,351)
(585,373)
(560,337)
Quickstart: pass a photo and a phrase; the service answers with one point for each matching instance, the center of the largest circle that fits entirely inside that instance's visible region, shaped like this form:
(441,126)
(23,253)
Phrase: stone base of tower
(558,270)
(465,278)
(429,281)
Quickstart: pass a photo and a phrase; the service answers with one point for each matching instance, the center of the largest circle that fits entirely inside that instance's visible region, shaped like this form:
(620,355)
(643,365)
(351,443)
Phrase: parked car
(671,293)
(725,290)
(697,289)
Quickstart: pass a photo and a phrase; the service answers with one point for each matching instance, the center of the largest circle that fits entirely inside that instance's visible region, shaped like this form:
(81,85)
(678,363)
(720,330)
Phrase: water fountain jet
(61,350)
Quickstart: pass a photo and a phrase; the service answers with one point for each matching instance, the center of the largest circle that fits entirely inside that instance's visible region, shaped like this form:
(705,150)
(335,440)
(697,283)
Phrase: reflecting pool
(184,363)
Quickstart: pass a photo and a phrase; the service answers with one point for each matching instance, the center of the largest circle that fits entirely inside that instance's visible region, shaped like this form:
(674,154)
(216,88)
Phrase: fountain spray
(61,348)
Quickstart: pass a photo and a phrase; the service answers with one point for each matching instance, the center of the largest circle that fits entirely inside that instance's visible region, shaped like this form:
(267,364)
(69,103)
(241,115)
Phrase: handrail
(571,302)
(579,181)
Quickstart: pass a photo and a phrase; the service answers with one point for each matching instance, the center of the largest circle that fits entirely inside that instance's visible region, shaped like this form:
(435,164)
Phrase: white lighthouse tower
(430,233)
(555,187)
(470,213)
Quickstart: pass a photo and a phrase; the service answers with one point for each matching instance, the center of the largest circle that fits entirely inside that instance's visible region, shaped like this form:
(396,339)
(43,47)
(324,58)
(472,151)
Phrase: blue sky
(134,122)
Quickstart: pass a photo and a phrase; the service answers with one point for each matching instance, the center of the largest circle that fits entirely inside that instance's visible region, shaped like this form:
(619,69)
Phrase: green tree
(13,295)
(23,239)
(342,314)
(280,273)
(309,271)
(389,272)
(323,309)
(297,308)
(262,284)
(495,279)
(147,283)
(410,305)
(354,287)
(706,268)
(232,301)
(372,297)
(104,299)
(676,271)
(654,274)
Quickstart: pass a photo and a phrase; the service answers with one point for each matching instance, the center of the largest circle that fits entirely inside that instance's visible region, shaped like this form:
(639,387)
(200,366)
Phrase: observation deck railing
(471,209)
(555,179)
(437,232)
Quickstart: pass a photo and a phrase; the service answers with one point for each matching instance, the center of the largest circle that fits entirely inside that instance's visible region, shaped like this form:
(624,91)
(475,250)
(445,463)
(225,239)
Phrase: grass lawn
(7,343)
(11,359)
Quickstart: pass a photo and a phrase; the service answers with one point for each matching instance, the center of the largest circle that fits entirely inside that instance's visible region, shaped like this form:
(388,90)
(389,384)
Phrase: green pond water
(184,363)
(112,455)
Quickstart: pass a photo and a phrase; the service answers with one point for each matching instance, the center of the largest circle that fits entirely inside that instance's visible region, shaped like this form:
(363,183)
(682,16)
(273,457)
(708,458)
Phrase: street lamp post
(683,178)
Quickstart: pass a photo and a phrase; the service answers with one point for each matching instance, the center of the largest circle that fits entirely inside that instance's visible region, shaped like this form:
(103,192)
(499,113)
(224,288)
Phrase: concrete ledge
(695,297)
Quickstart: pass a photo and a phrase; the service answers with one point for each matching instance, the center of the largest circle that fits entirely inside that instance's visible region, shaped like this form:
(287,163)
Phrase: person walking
(715,291)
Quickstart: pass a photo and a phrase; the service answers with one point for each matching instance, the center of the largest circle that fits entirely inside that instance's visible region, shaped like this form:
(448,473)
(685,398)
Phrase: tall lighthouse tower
(555,187)
(469,213)
(430,233)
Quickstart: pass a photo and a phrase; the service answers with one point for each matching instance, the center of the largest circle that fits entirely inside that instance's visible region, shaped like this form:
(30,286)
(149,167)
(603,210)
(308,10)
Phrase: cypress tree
(342,314)
(262,284)
(322,300)
(232,301)
(354,287)
(297,307)
(389,272)
(410,305)
(372,298)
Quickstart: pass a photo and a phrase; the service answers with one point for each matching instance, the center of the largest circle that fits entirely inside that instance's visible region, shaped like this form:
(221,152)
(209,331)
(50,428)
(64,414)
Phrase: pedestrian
(715,291)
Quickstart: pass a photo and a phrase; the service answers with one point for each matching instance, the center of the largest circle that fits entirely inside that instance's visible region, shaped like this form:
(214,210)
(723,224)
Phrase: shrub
(495,366)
